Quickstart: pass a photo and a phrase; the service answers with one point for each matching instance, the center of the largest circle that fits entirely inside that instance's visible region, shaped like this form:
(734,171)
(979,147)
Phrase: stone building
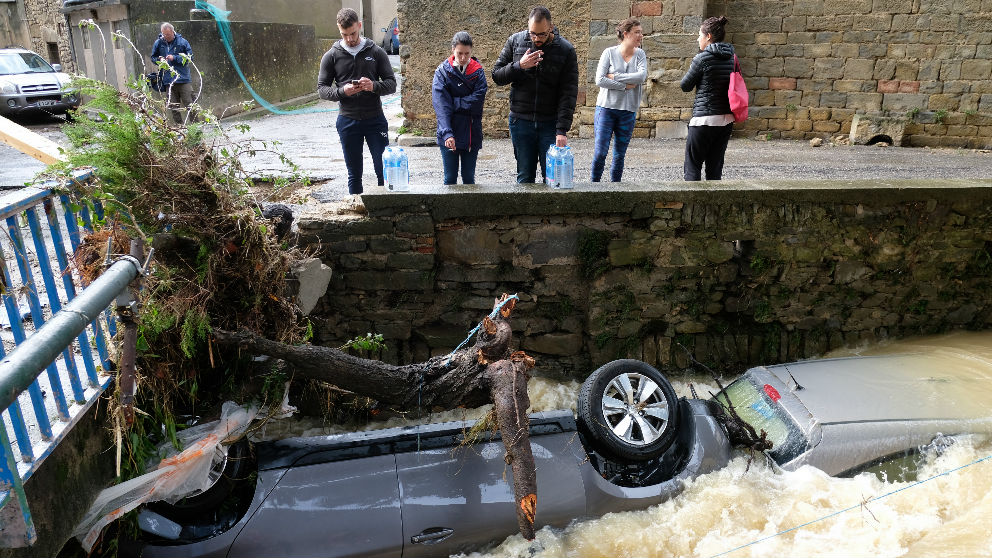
(277,43)
(810,65)
(38,25)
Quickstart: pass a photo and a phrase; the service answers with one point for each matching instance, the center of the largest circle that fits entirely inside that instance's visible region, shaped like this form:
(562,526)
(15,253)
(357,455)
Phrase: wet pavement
(308,137)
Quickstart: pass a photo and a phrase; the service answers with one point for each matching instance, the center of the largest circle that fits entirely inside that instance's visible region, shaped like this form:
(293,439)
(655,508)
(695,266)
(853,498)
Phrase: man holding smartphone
(543,73)
(356,73)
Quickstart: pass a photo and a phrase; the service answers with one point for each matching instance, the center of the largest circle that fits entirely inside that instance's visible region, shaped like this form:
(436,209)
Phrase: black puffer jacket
(709,73)
(545,92)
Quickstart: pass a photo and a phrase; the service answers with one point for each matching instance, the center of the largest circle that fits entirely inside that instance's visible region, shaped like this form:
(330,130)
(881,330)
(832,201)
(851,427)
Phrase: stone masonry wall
(810,65)
(739,275)
(48,25)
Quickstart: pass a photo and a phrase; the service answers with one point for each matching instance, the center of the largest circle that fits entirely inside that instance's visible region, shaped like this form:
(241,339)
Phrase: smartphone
(355,82)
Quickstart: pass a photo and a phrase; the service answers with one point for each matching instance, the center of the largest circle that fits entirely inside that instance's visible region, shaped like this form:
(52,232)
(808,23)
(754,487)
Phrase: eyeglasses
(540,35)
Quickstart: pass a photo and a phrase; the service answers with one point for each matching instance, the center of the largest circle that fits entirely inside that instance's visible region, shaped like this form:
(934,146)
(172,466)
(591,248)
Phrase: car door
(458,499)
(328,510)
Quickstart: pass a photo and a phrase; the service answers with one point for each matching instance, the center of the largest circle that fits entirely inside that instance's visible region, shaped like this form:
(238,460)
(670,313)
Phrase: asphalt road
(16,168)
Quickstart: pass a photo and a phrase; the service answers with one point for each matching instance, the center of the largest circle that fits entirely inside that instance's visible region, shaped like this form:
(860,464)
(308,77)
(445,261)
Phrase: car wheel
(629,410)
(230,465)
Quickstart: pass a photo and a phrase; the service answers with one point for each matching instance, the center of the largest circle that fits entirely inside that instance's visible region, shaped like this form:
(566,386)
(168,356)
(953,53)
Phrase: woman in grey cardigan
(621,74)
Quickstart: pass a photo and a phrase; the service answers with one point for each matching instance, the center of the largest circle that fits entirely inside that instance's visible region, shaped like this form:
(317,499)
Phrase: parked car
(391,42)
(30,84)
(416,491)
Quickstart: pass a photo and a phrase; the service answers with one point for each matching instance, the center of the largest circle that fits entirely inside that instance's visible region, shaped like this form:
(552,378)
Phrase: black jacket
(338,67)
(709,73)
(545,92)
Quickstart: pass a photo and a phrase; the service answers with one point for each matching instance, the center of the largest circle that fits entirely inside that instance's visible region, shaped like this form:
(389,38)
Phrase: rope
(857,506)
(224,28)
(492,315)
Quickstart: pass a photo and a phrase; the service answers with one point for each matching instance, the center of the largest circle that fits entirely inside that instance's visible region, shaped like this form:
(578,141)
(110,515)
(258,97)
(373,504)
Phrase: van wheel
(629,410)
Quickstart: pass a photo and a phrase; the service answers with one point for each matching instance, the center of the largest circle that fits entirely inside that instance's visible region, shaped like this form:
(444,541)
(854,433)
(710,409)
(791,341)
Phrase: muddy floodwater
(760,511)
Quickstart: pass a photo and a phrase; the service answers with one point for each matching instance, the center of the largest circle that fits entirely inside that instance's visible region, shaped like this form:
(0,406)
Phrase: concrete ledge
(642,198)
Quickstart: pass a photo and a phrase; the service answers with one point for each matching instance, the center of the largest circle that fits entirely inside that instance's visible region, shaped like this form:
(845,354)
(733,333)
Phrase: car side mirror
(57,67)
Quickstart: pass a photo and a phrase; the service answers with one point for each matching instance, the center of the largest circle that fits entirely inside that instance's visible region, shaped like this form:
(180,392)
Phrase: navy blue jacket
(458,100)
(178,46)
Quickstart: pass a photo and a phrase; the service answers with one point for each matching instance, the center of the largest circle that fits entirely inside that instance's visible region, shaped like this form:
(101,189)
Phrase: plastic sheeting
(176,477)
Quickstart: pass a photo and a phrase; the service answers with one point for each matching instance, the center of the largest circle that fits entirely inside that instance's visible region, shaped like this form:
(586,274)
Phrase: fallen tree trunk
(485,372)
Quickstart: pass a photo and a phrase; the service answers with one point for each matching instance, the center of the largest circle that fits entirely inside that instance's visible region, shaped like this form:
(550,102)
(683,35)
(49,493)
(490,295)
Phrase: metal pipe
(20,368)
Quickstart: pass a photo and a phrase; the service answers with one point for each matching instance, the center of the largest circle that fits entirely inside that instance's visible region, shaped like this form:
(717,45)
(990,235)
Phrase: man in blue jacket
(356,73)
(543,73)
(170,47)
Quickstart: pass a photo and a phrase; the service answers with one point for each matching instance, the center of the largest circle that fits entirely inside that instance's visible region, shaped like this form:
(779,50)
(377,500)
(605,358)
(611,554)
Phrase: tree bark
(485,372)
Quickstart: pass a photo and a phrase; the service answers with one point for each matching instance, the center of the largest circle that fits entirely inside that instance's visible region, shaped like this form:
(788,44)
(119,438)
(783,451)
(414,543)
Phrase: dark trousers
(706,144)
(353,134)
(531,141)
(609,123)
(450,161)
(180,95)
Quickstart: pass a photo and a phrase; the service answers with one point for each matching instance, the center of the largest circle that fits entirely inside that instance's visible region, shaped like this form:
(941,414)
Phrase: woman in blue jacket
(459,91)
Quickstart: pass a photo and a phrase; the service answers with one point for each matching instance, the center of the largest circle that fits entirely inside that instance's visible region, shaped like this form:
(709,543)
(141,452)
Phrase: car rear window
(22,63)
(759,407)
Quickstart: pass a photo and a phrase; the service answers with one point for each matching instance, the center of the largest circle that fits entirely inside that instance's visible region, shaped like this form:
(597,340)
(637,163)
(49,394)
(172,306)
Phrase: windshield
(22,63)
(759,407)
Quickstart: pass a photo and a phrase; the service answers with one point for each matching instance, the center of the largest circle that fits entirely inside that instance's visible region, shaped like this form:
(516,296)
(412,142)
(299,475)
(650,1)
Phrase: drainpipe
(20,368)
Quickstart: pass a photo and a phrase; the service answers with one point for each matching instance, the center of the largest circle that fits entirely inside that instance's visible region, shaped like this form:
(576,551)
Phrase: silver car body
(415,491)
(29,84)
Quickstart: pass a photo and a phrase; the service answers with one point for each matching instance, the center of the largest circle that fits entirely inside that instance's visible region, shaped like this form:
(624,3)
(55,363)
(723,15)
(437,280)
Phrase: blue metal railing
(78,374)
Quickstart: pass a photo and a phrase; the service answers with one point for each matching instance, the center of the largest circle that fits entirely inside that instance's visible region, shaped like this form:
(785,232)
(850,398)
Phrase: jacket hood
(473,65)
(366,43)
(721,50)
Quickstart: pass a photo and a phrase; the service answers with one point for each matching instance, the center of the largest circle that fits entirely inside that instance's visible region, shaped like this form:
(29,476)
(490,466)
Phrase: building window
(86,38)
(118,27)
(53,53)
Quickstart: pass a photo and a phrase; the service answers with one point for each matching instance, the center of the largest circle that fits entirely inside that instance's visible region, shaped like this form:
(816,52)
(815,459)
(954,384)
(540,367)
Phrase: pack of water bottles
(396,166)
(560,167)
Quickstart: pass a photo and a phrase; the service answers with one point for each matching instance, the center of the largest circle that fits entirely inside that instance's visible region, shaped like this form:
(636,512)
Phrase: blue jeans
(608,123)
(531,141)
(353,133)
(450,160)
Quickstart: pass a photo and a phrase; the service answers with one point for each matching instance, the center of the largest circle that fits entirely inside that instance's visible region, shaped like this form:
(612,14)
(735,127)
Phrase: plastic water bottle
(388,157)
(402,168)
(551,161)
(565,168)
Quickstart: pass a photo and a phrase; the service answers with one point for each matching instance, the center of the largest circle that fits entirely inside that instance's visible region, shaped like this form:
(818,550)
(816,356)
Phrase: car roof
(918,386)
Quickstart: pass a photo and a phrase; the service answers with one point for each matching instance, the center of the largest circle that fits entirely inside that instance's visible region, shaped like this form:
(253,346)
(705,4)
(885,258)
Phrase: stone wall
(741,275)
(295,74)
(811,65)
(426,28)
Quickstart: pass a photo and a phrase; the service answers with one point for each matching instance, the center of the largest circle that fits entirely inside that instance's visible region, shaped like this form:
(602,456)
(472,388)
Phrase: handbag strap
(737,65)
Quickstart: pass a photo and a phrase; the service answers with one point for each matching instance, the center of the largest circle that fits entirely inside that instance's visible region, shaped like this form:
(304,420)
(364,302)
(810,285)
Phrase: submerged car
(30,84)
(418,491)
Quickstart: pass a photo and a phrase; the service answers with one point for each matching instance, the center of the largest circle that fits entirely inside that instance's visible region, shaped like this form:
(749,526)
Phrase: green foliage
(939,116)
(402,129)
(196,326)
(911,113)
(594,256)
(368,343)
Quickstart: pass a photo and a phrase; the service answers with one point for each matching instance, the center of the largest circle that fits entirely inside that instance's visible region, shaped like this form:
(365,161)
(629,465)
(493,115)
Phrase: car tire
(629,411)
(231,465)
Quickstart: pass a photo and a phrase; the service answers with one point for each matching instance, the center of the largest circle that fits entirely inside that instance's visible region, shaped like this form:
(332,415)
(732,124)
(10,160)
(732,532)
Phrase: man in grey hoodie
(356,73)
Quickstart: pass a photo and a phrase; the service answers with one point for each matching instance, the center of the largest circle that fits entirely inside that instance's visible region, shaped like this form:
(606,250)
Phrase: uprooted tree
(218,289)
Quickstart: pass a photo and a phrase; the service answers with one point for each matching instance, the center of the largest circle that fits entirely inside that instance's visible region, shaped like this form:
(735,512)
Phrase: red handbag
(737,93)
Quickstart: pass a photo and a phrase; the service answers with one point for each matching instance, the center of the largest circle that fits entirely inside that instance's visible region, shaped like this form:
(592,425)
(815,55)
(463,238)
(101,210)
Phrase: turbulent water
(759,511)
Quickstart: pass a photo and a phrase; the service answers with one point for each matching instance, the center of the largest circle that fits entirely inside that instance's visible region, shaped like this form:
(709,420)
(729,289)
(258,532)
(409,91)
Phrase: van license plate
(46,103)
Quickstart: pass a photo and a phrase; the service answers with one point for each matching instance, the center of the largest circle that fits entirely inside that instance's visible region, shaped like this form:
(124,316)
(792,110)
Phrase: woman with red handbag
(712,119)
